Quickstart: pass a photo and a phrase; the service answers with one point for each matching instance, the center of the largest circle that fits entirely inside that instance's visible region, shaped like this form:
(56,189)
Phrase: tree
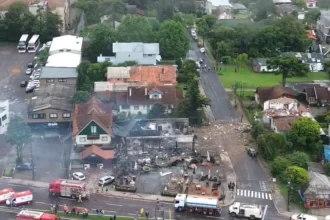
(142,4)
(135,29)
(324,4)
(279,165)
(48,26)
(157,111)
(187,6)
(263,9)
(96,71)
(83,82)
(114,8)
(288,67)
(257,129)
(299,159)
(301,4)
(173,40)
(327,169)
(242,59)
(18,20)
(312,15)
(271,145)
(81,97)
(187,71)
(43,57)
(165,10)
(101,37)
(189,19)
(205,25)
(327,117)
(304,134)
(18,133)
(92,10)
(297,176)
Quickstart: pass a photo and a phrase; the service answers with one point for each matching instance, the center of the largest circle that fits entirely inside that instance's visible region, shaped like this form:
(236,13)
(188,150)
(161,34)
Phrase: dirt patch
(16,71)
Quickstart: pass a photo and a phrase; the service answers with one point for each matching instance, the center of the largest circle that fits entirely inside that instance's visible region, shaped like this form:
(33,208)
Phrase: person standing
(147,214)
(79,198)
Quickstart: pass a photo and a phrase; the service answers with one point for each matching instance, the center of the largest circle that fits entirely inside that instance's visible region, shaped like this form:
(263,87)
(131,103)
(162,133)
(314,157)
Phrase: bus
(33,44)
(22,43)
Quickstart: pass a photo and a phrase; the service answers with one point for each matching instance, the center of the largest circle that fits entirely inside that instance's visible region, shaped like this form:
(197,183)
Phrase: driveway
(220,105)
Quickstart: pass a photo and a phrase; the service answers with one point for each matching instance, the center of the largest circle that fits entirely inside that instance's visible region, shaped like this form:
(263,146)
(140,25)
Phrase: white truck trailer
(206,205)
(246,210)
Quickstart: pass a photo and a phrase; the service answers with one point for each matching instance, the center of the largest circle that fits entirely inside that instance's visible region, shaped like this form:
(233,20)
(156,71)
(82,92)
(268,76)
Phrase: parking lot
(48,154)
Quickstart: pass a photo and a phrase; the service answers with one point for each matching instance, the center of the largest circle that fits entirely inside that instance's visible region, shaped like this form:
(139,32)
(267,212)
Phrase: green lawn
(253,80)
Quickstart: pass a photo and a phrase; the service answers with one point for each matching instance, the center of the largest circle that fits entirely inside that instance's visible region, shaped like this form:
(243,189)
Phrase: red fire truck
(33,215)
(20,198)
(68,188)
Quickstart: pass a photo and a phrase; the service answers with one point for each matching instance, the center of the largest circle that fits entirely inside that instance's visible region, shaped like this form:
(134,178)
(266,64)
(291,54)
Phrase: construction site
(160,157)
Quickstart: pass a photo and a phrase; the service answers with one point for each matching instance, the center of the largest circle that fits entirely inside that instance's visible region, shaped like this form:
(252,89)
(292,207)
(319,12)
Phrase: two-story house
(92,124)
(139,100)
(264,94)
(65,51)
(4,116)
(317,95)
(222,9)
(58,75)
(51,105)
(311,3)
(313,60)
(323,26)
(142,53)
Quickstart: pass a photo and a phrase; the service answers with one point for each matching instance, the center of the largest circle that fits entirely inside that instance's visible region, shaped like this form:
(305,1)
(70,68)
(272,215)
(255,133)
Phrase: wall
(4,116)
(311,5)
(256,98)
(269,105)
(88,131)
(136,56)
(79,140)
(316,67)
(47,119)
(71,81)
(143,109)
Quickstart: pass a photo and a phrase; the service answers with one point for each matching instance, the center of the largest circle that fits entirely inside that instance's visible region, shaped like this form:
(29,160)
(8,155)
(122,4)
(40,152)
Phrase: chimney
(130,91)
(146,91)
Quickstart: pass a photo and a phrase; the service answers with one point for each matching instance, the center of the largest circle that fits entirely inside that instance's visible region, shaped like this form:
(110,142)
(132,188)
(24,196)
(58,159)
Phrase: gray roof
(319,186)
(260,61)
(53,96)
(221,3)
(146,48)
(306,57)
(239,6)
(58,72)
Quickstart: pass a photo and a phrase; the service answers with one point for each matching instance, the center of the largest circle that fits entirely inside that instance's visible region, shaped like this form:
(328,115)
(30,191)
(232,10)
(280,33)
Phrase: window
(82,139)
(4,118)
(93,130)
(62,80)
(68,50)
(52,115)
(66,115)
(136,107)
(61,50)
(125,107)
(311,5)
(149,55)
(104,138)
(49,80)
(38,116)
(155,96)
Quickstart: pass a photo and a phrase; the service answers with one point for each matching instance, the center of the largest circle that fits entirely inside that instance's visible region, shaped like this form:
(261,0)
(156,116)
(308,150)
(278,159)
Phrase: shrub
(279,165)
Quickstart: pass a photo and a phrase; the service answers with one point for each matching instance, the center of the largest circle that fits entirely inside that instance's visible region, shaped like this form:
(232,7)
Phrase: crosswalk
(254,194)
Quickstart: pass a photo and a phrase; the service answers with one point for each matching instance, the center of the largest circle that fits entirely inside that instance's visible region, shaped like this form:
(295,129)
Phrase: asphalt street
(220,105)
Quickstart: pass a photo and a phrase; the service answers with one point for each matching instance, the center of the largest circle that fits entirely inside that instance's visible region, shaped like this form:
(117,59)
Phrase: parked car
(252,152)
(30,65)
(105,180)
(28,71)
(78,176)
(202,50)
(30,88)
(24,83)
(24,166)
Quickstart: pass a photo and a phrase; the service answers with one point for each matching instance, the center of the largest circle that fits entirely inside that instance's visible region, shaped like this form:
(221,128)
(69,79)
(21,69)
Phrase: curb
(130,198)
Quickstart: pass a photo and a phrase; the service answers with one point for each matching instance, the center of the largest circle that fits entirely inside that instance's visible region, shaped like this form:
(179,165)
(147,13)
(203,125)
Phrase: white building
(4,116)
(142,53)
(65,51)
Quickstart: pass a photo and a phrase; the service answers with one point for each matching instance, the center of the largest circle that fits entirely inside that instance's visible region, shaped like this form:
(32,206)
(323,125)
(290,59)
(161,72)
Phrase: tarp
(327,152)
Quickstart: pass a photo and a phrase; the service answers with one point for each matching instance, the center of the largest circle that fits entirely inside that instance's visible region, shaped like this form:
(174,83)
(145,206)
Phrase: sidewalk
(230,177)
(207,109)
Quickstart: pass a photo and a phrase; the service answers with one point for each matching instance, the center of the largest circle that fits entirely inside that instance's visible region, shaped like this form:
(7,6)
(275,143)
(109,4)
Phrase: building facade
(4,116)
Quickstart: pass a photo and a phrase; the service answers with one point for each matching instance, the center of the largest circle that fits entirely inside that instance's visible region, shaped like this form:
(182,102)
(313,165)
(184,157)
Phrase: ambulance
(20,198)
(33,215)
(5,194)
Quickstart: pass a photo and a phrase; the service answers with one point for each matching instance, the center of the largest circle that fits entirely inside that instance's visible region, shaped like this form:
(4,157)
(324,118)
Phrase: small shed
(259,65)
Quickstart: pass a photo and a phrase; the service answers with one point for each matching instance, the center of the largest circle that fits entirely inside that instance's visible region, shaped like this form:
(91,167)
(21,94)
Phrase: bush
(327,169)
(257,129)
(279,165)
(299,159)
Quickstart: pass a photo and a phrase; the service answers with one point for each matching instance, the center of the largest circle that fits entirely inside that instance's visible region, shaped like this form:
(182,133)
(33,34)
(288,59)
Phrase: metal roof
(145,48)
(64,59)
(58,72)
(66,43)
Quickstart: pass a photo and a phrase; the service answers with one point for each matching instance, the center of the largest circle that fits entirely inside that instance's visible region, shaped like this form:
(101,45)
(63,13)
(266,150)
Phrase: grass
(298,203)
(8,172)
(253,80)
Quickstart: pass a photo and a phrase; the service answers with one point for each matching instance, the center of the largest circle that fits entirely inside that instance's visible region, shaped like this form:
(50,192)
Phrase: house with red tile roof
(92,126)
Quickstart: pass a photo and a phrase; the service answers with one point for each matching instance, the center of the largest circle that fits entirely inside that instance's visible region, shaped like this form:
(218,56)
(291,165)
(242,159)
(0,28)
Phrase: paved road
(220,105)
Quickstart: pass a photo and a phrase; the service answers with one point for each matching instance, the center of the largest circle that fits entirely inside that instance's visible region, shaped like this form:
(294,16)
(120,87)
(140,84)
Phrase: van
(20,198)
(302,217)
(105,180)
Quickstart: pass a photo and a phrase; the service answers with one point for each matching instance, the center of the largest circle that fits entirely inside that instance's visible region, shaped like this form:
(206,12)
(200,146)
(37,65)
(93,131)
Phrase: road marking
(248,194)
(262,195)
(263,217)
(42,203)
(244,192)
(113,204)
(266,195)
(259,195)
(270,197)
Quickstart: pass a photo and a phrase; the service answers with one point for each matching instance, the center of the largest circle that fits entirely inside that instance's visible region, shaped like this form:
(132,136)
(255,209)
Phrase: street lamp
(289,186)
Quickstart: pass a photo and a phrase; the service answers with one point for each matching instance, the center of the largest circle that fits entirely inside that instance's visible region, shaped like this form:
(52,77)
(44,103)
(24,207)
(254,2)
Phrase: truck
(33,215)
(20,198)
(206,205)
(5,194)
(68,188)
(242,210)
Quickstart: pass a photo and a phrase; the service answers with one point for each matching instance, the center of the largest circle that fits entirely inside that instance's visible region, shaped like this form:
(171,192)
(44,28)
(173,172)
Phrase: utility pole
(32,162)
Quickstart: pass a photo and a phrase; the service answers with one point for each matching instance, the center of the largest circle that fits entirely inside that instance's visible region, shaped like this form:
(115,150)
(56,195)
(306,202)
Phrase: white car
(202,50)
(28,71)
(105,180)
(79,176)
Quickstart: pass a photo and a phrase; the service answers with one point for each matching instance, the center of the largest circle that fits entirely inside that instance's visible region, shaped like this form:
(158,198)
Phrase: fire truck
(33,215)
(6,194)
(68,188)
(20,198)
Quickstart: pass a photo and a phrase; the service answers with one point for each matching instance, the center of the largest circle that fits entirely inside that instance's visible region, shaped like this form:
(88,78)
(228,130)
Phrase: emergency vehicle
(6,194)
(20,198)
(27,215)
(68,188)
